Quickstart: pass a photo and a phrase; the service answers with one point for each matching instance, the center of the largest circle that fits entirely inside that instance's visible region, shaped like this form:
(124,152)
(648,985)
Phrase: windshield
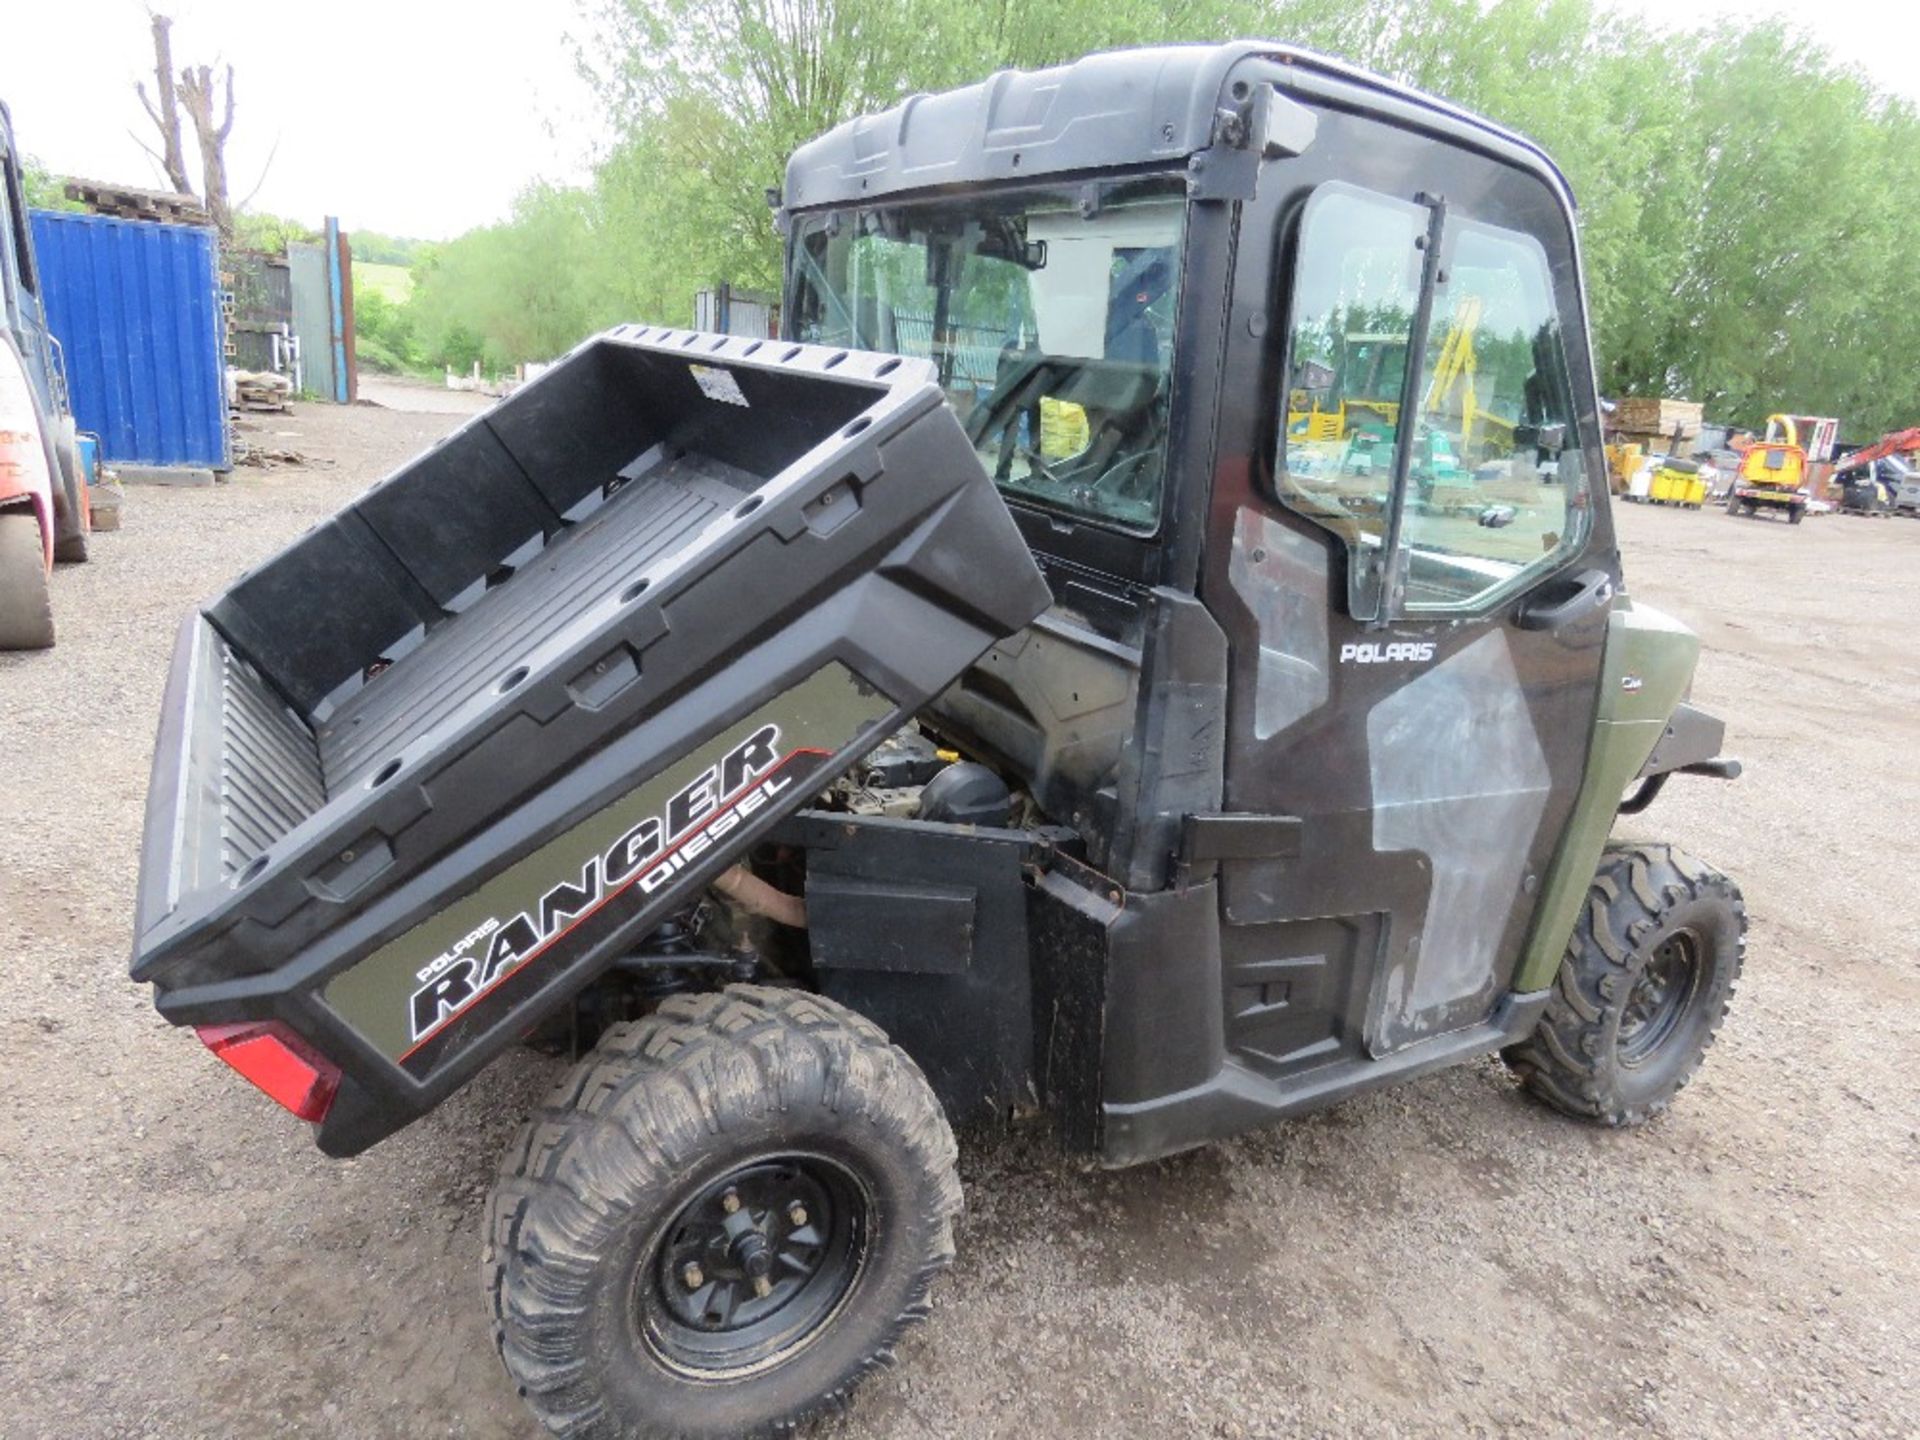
(1052,328)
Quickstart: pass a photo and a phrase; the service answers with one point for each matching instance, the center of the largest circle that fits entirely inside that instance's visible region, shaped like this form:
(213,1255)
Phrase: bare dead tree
(197,97)
(164,107)
(194,92)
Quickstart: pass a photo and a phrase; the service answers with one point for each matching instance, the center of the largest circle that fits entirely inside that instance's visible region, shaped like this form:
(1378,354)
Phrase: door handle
(1564,600)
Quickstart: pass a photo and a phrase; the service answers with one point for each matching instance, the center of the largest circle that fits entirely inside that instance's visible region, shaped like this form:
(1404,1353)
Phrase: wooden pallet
(127,202)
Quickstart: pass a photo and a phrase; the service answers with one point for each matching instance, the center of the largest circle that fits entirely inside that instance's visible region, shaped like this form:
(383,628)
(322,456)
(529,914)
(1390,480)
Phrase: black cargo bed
(653,516)
(671,551)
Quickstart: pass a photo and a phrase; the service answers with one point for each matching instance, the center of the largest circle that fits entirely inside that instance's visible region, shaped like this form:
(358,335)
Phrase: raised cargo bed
(549,616)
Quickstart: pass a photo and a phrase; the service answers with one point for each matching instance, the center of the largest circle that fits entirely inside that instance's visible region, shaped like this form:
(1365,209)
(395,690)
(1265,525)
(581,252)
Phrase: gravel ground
(1442,1259)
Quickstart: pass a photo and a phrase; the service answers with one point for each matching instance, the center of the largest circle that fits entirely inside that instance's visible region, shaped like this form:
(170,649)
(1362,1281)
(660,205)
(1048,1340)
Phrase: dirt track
(1442,1259)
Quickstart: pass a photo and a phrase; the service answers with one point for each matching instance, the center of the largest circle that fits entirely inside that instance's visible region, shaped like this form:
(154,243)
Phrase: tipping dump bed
(429,769)
(584,565)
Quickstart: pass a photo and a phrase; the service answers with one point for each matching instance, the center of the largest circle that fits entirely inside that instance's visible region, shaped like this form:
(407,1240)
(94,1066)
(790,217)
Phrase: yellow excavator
(1368,386)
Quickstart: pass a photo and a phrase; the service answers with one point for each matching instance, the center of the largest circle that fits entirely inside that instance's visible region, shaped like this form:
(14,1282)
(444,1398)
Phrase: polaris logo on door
(719,799)
(1396,652)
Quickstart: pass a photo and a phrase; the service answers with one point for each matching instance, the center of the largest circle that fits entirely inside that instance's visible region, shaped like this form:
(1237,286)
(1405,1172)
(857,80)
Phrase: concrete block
(191,476)
(103,507)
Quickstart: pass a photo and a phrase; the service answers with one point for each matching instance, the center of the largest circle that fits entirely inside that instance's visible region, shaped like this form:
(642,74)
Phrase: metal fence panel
(313,317)
(976,349)
(727,311)
(136,309)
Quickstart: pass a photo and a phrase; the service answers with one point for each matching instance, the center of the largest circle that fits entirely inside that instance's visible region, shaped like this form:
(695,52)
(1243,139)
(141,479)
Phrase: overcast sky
(424,118)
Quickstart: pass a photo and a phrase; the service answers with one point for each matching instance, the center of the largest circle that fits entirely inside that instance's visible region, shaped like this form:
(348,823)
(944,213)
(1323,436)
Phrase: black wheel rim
(1662,995)
(754,1266)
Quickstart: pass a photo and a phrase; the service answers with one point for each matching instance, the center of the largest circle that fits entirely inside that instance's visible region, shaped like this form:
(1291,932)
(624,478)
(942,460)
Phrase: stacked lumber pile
(128,202)
(1655,423)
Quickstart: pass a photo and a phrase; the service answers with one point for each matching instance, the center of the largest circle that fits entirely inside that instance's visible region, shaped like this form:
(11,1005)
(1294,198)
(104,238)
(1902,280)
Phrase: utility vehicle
(974,703)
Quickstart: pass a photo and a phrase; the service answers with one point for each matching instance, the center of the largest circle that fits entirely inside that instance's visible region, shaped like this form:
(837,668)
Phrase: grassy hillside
(393,282)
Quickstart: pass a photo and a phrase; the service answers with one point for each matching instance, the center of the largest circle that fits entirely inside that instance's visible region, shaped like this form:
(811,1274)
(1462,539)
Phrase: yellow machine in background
(1778,462)
(1455,371)
(1368,383)
(1772,479)
(1678,482)
(1623,458)
(1371,371)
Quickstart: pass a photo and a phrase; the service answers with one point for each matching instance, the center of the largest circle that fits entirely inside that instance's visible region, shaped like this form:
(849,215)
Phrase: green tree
(384,332)
(381,249)
(271,234)
(44,190)
(1744,200)
(709,100)
(524,288)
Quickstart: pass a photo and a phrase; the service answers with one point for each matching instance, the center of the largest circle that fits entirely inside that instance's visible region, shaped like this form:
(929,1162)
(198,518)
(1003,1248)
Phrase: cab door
(1414,690)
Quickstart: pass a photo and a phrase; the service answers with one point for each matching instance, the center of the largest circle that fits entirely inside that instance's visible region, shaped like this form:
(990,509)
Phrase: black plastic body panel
(923,929)
(666,535)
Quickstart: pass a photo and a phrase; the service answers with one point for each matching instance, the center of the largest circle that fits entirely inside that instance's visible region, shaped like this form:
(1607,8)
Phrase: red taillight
(278,1061)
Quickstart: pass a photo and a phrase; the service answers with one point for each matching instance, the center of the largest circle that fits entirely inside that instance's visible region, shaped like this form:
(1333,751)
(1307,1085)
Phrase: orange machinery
(1897,442)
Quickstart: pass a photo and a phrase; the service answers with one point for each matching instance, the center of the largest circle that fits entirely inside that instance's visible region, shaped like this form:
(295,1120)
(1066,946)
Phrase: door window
(1495,489)
(1494,479)
(1356,287)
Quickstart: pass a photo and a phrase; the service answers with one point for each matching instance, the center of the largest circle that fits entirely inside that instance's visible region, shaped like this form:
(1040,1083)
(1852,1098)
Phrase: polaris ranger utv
(1003,694)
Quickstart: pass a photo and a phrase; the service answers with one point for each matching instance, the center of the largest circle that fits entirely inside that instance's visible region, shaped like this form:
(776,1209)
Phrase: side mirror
(1546,439)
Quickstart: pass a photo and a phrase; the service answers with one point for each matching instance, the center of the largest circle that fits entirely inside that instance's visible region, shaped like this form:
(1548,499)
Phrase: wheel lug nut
(797,1213)
(730,1202)
(762,1286)
(693,1277)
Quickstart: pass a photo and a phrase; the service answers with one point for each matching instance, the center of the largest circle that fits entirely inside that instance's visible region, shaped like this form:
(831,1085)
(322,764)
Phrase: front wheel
(1644,985)
(721,1222)
(26,607)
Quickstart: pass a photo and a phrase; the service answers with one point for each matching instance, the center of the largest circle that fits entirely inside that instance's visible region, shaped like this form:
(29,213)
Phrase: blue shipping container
(136,308)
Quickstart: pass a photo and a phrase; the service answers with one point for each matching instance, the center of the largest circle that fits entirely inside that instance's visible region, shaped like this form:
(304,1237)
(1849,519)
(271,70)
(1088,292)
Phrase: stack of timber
(1657,424)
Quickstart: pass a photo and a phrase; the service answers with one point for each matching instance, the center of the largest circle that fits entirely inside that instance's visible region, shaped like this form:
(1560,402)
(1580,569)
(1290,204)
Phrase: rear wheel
(1794,512)
(70,483)
(721,1222)
(26,608)
(1642,990)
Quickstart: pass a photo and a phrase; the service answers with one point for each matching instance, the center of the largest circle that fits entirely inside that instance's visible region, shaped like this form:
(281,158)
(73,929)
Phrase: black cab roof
(1109,110)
